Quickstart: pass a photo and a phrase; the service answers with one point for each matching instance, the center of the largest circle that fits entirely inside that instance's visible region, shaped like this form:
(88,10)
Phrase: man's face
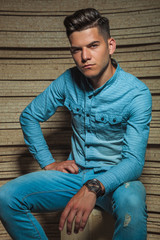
(90,52)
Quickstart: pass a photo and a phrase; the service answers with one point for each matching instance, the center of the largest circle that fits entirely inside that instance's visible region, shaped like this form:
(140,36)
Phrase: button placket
(114,120)
(88,100)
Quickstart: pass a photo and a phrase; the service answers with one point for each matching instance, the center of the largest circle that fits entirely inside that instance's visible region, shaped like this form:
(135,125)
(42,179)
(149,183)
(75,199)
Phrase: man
(111,112)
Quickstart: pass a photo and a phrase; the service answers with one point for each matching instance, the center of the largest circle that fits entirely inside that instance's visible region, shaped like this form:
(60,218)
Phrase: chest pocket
(109,126)
(77,114)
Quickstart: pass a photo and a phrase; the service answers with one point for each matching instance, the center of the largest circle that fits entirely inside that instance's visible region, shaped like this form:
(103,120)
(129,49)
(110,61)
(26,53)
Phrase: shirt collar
(90,89)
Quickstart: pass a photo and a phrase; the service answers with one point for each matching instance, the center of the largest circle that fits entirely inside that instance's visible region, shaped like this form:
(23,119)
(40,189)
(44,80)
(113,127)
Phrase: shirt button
(87,115)
(90,97)
(102,118)
(88,146)
(88,131)
(114,120)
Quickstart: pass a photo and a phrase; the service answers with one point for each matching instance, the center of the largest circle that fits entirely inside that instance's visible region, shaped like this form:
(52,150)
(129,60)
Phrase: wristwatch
(94,185)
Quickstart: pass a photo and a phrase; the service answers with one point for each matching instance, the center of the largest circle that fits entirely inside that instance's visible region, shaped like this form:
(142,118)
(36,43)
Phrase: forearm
(123,172)
(34,139)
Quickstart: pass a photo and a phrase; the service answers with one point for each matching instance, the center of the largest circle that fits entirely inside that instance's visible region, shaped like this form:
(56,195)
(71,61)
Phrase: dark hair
(84,19)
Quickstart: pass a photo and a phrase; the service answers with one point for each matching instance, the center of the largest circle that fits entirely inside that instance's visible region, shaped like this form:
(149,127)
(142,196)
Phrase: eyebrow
(88,45)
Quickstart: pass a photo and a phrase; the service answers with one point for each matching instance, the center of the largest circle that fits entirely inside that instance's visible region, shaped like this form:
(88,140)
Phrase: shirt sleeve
(134,144)
(39,110)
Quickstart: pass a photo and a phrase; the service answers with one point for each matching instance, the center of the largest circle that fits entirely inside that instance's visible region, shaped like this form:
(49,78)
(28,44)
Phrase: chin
(88,73)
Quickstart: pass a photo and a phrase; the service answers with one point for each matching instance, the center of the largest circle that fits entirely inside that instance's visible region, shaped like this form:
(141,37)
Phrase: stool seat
(100,226)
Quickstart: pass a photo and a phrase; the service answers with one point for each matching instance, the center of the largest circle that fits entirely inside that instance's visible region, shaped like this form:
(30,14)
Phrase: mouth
(87,66)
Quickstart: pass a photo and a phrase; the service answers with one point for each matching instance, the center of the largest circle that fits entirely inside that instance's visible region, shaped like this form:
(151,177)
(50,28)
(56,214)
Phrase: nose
(86,55)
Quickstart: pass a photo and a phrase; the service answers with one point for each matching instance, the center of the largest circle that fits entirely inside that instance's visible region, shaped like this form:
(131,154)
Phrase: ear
(111,45)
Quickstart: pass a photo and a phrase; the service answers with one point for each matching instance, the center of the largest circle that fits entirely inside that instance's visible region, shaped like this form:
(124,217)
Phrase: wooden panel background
(34,51)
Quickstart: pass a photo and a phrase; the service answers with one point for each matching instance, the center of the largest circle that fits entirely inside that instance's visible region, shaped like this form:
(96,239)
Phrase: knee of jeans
(129,204)
(8,199)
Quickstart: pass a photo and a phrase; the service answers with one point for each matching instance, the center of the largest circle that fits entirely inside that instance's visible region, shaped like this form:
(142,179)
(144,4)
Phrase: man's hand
(68,166)
(79,207)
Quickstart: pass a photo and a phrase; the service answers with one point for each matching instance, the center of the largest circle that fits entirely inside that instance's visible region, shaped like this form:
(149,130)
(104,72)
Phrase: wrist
(88,192)
(49,166)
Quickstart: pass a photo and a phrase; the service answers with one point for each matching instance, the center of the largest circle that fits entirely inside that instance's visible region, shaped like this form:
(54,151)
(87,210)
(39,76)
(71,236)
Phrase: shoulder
(74,78)
(68,82)
(134,92)
(131,81)
(131,84)
(61,80)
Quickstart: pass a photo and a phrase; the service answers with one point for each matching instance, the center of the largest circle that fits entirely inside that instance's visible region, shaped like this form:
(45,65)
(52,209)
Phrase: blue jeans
(47,191)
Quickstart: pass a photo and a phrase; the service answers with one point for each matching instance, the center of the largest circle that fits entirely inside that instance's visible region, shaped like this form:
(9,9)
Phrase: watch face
(94,186)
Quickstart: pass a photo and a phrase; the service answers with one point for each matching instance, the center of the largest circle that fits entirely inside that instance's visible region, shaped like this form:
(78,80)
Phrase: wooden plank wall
(34,51)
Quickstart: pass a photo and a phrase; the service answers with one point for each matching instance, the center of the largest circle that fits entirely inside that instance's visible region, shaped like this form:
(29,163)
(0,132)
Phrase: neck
(100,80)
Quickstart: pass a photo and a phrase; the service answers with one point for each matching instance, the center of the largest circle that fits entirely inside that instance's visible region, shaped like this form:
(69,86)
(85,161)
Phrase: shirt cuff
(44,158)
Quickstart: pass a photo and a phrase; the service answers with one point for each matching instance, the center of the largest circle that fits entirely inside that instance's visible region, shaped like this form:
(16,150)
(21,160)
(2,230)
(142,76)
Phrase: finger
(84,221)
(75,168)
(63,170)
(70,221)
(63,217)
(77,222)
(73,163)
(71,169)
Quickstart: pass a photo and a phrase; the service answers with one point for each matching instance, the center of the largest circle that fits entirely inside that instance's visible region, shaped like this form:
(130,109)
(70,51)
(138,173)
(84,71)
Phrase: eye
(75,50)
(94,45)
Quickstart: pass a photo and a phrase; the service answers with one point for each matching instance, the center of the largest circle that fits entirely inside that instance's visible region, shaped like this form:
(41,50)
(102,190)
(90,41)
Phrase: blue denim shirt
(110,124)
